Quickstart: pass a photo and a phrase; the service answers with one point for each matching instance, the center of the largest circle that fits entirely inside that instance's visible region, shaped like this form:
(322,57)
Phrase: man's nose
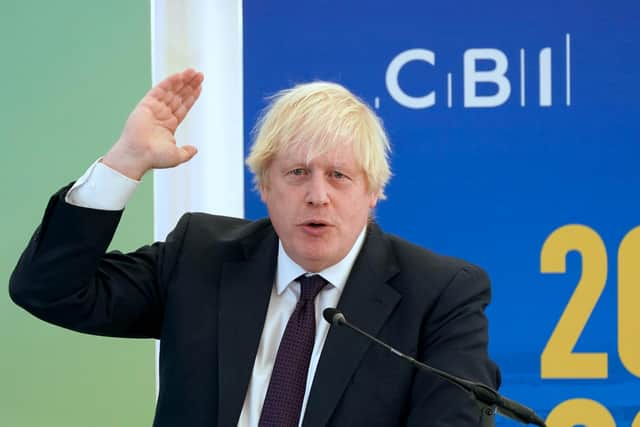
(317,190)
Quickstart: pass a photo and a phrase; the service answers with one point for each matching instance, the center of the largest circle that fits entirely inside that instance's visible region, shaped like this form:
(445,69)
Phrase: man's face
(317,208)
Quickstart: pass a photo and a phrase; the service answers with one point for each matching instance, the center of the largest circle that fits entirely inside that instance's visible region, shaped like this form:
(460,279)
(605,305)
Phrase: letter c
(393,86)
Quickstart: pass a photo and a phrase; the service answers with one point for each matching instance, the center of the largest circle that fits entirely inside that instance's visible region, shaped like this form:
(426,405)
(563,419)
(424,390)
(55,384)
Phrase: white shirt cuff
(102,188)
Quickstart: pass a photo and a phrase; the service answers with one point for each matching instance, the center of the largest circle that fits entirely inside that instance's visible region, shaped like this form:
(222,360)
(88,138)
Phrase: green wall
(70,73)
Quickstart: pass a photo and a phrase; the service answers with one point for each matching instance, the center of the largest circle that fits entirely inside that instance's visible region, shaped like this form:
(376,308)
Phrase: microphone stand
(488,400)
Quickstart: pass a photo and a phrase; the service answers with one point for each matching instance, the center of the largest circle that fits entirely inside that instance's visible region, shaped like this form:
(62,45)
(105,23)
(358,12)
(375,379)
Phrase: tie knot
(310,286)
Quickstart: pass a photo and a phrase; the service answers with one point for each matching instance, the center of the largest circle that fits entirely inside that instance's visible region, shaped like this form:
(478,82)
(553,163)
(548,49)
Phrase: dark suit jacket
(204,293)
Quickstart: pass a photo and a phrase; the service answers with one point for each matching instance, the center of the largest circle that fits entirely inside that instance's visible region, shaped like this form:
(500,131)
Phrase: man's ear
(373,200)
(263,190)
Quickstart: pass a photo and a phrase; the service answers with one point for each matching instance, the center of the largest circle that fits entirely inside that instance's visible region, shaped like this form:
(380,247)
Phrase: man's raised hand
(148,138)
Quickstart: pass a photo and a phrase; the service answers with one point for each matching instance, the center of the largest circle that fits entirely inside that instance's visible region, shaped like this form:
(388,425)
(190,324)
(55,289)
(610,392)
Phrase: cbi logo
(474,75)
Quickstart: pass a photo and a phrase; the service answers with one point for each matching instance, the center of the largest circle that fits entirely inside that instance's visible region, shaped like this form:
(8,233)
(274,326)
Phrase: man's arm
(455,339)
(64,275)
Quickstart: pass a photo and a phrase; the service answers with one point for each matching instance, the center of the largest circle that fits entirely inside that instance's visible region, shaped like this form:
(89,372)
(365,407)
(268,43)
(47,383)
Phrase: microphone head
(333,316)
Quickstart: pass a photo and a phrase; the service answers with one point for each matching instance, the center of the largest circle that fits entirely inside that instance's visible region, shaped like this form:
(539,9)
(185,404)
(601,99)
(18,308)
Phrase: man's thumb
(187,152)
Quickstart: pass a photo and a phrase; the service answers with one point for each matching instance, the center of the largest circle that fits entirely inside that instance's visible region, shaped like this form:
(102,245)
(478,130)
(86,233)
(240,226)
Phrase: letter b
(472,76)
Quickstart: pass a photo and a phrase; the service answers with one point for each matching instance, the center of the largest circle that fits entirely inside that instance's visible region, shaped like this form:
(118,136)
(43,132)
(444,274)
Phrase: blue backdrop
(495,162)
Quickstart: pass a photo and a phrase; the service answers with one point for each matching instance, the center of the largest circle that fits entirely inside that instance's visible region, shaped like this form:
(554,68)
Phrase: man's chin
(317,261)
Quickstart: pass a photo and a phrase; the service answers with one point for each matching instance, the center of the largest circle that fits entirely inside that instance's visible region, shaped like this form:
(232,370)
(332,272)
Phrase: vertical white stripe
(568,63)
(522,79)
(207,36)
(154,78)
(449,91)
(152,10)
(545,77)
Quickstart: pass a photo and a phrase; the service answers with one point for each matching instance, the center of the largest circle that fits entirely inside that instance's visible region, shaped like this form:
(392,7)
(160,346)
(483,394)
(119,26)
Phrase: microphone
(485,395)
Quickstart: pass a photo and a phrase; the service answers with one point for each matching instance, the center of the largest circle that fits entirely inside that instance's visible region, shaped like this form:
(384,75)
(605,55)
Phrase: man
(237,304)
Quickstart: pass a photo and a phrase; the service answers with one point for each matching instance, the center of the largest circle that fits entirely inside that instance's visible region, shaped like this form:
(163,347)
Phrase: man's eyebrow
(345,167)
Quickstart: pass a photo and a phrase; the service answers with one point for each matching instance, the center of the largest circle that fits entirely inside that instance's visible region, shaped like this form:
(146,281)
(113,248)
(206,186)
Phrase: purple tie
(283,402)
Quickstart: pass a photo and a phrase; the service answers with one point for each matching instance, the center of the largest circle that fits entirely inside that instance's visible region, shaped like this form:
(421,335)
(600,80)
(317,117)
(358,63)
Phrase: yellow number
(583,412)
(558,359)
(628,299)
(636,421)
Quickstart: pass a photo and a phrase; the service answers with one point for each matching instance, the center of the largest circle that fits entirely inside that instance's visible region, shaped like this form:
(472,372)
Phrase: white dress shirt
(104,188)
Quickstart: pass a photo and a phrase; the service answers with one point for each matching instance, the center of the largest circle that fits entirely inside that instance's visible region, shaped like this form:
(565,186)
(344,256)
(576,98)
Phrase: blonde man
(237,305)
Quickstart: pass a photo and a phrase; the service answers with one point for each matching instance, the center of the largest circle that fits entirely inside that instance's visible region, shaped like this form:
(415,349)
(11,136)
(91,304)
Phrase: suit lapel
(367,301)
(245,289)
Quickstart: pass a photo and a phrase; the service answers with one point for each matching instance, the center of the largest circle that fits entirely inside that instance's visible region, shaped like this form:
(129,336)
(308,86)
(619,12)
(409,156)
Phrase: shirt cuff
(102,188)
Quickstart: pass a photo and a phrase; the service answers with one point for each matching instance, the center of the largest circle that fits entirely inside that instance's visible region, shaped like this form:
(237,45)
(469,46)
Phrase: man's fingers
(175,81)
(186,104)
(175,103)
(186,82)
(171,99)
(167,89)
(164,90)
(196,80)
(186,93)
(192,87)
(177,89)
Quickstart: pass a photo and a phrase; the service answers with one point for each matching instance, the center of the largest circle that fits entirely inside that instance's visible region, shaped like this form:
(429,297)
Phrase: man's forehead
(339,154)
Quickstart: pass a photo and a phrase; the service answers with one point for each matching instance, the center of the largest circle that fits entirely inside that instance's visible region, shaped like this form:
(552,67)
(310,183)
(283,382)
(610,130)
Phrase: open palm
(148,138)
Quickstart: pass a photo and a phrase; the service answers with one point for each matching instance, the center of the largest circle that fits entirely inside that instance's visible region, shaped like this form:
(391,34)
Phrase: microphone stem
(487,398)
(464,385)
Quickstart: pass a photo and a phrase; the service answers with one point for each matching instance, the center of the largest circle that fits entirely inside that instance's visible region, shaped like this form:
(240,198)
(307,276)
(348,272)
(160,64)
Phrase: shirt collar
(337,274)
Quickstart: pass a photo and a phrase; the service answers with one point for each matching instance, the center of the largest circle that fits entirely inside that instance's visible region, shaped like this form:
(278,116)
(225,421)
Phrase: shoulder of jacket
(419,261)
(223,228)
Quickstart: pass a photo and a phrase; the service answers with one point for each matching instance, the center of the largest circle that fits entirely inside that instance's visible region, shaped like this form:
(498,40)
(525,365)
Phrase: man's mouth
(315,225)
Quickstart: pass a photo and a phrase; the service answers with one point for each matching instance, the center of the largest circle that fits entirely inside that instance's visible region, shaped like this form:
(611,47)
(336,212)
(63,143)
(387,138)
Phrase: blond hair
(320,116)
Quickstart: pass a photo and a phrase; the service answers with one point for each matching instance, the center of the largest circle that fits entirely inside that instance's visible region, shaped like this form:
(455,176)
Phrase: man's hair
(319,117)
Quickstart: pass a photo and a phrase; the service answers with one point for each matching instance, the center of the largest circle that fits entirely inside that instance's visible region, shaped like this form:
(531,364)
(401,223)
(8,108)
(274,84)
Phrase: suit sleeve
(455,339)
(65,276)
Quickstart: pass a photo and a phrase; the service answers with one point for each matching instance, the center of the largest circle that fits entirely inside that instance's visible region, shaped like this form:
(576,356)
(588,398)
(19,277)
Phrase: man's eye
(338,175)
(297,172)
